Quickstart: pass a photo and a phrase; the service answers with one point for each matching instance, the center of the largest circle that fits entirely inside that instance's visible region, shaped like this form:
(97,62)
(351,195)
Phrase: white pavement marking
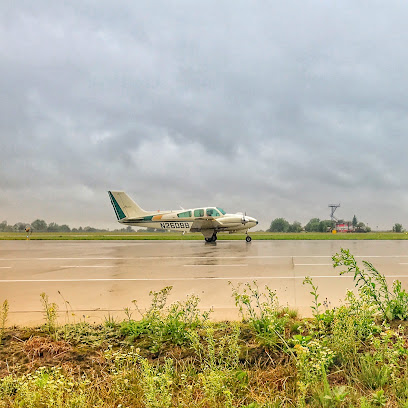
(168,279)
(5,267)
(218,265)
(185,279)
(313,264)
(87,266)
(195,257)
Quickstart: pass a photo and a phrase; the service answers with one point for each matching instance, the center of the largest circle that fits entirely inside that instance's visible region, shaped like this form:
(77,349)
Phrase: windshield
(221,210)
(212,212)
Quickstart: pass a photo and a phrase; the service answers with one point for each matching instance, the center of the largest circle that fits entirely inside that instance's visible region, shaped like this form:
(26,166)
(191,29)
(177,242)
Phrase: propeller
(244,219)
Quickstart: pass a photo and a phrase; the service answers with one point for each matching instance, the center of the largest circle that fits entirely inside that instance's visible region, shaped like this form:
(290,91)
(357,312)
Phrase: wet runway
(98,278)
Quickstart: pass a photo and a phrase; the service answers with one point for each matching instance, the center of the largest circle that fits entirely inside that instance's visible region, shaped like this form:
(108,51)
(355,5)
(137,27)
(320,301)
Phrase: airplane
(207,220)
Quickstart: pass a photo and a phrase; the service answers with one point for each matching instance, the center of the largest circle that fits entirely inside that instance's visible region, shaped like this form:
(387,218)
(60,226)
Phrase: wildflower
(298,347)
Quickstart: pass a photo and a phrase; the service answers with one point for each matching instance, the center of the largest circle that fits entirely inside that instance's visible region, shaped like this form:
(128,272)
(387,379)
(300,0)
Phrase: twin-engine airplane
(207,220)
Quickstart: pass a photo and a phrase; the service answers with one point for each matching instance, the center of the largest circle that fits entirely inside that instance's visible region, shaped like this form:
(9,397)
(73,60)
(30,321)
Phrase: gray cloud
(273,108)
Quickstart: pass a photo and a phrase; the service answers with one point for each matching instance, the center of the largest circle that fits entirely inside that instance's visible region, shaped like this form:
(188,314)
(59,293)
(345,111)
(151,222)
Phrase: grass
(197,236)
(175,356)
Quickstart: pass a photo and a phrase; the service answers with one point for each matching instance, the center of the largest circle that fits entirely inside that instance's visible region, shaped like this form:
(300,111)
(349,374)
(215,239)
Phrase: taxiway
(91,279)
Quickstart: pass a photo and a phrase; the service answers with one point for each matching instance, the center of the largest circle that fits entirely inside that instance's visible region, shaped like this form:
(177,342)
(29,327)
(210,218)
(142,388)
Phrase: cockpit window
(221,210)
(199,213)
(212,212)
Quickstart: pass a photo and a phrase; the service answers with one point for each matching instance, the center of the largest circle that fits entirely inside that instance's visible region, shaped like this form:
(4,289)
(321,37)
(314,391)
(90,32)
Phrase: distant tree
(39,225)
(89,229)
(397,228)
(295,227)
(325,225)
(279,225)
(64,228)
(129,229)
(313,225)
(53,227)
(360,227)
(354,222)
(3,226)
(19,226)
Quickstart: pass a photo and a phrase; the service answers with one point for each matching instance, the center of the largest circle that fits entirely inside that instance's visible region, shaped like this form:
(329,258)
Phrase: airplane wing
(205,223)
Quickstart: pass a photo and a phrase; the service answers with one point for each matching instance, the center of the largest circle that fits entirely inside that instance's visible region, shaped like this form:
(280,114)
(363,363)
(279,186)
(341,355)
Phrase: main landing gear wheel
(248,238)
(211,239)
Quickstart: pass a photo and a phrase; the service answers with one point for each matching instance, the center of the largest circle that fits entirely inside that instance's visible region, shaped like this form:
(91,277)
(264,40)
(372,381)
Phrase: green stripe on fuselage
(119,213)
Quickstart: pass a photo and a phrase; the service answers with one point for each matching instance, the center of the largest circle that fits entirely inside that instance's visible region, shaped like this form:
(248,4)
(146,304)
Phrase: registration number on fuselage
(174,225)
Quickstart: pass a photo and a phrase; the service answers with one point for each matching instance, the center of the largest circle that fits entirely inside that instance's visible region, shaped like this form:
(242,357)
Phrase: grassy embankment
(197,236)
(174,356)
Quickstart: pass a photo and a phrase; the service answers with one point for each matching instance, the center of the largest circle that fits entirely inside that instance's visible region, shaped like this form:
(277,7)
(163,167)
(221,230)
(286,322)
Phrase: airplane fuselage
(184,220)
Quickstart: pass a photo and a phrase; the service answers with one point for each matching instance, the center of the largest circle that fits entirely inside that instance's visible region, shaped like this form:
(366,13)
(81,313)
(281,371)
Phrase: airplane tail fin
(124,206)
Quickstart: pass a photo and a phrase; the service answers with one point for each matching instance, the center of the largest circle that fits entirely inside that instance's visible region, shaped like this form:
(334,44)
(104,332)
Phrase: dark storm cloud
(273,108)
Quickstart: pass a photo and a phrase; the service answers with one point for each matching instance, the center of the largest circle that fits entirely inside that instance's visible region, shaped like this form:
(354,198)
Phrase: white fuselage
(185,220)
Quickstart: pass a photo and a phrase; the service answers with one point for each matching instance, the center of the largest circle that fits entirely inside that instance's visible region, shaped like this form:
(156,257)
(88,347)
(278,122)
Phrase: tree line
(41,226)
(317,225)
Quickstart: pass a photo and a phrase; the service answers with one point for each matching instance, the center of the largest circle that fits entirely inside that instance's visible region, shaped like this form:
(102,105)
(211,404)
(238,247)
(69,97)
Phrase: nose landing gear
(248,239)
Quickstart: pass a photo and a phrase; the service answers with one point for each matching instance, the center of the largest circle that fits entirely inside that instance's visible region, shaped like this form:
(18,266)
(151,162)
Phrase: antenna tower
(333,207)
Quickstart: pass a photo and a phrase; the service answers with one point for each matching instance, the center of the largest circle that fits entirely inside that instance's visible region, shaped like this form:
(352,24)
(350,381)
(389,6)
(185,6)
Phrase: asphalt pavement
(90,280)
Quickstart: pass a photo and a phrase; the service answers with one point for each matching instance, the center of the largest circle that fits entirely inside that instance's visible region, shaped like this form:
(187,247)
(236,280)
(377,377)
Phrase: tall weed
(312,362)
(219,359)
(351,325)
(261,310)
(163,324)
(50,313)
(373,285)
(3,318)
(157,384)
(133,373)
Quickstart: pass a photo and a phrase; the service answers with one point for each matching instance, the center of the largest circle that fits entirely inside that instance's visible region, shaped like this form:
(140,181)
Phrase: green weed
(371,373)
(50,313)
(133,373)
(351,325)
(316,304)
(46,387)
(3,318)
(261,310)
(328,396)
(157,383)
(379,399)
(163,324)
(85,333)
(219,359)
(373,286)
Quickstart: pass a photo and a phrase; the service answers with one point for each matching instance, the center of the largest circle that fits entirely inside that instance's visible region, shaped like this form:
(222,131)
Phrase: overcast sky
(276,108)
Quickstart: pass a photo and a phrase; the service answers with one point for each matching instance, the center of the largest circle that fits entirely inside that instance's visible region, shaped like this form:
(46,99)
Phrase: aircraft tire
(213,238)
(248,239)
